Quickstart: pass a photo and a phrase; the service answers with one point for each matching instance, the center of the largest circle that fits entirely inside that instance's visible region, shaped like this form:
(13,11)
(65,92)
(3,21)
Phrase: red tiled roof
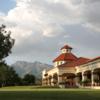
(65,57)
(66,47)
(80,61)
(75,63)
(93,59)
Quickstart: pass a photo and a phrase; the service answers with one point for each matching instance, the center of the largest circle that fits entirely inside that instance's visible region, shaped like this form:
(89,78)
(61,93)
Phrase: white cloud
(53,30)
(48,16)
(35,15)
(35,22)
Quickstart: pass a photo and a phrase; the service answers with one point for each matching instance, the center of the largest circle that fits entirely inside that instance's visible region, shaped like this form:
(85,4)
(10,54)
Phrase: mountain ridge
(35,68)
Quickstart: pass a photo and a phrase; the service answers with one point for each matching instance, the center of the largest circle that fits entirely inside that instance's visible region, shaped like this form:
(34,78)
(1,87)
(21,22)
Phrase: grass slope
(33,93)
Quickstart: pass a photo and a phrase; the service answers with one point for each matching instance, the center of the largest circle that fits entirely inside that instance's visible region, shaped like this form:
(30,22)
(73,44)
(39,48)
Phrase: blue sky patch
(6,5)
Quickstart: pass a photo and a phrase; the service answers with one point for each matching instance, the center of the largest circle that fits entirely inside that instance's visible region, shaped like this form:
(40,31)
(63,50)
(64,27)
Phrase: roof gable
(75,63)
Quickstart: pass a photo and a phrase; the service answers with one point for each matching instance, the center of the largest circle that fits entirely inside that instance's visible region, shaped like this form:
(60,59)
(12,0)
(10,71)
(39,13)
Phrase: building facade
(72,71)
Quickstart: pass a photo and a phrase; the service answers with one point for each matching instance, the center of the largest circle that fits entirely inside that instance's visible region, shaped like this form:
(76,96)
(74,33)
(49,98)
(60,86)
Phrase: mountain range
(22,68)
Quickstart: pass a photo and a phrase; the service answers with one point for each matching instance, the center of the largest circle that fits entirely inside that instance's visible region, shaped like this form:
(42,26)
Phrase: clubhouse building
(72,71)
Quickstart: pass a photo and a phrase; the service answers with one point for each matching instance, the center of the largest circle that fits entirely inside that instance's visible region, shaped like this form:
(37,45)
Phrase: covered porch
(89,78)
(67,80)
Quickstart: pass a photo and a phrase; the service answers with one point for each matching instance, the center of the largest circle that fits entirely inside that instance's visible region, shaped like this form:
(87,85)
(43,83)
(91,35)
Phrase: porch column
(83,77)
(59,79)
(92,78)
(52,81)
(78,79)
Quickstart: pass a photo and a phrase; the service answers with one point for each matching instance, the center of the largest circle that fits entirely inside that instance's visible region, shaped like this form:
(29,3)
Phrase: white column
(52,81)
(59,78)
(60,81)
(83,77)
(92,77)
(77,80)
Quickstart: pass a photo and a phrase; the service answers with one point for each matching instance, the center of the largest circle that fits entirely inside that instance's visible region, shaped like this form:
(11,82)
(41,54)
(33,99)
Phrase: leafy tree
(8,77)
(3,72)
(12,77)
(7,74)
(29,79)
(6,42)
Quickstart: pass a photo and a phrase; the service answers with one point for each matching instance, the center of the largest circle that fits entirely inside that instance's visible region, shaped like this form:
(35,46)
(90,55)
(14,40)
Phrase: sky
(41,27)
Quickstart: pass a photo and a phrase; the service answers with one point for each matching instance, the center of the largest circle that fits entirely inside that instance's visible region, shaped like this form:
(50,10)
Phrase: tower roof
(66,47)
(65,57)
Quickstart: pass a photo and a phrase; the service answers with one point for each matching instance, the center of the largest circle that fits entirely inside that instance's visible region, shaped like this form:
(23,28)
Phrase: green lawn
(33,93)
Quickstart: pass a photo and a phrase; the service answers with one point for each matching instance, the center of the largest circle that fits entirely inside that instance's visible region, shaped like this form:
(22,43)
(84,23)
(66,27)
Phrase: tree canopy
(6,42)
(29,79)
(8,76)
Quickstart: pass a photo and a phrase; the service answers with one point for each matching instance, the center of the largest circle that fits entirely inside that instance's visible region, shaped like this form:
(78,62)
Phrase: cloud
(39,26)
(36,15)
(46,16)
(91,14)
(53,30)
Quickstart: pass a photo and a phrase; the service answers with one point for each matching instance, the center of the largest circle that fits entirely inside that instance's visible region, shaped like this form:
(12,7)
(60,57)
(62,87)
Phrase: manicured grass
(34,93)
